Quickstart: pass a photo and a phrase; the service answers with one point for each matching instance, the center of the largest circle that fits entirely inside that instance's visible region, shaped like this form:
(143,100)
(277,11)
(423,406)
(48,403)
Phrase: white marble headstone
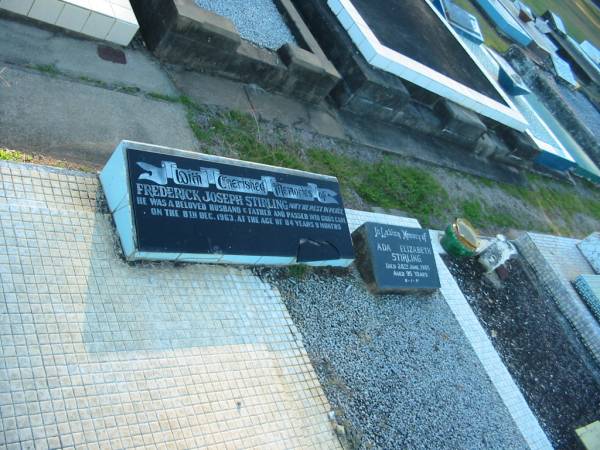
(590,247)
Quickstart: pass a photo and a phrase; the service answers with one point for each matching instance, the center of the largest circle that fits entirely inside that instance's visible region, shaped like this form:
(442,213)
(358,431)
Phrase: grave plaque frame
(395,259)
(175,205)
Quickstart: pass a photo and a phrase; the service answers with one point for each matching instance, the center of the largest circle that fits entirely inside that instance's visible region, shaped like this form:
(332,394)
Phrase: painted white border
(384,58)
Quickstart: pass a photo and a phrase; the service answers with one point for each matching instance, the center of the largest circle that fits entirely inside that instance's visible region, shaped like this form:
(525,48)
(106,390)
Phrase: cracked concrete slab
(82,123)
(316,118)
(206,90)
(22,44)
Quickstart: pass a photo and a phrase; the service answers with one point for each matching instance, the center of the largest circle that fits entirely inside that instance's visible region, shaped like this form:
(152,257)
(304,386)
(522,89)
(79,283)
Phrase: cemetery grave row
(174,205)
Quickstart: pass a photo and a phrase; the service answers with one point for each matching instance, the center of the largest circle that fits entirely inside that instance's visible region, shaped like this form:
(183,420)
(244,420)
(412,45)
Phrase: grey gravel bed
(397,370)
(257,21)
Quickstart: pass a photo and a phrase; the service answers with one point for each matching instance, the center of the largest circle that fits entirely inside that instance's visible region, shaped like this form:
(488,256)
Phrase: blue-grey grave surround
(464,22)
(174,205)
(395,259)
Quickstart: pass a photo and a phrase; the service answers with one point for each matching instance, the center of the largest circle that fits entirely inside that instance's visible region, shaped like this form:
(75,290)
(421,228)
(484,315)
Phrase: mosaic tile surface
(98,353)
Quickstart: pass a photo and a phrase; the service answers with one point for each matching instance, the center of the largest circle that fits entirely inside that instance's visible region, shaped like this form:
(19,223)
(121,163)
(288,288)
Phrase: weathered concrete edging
(179,32)
(363,90)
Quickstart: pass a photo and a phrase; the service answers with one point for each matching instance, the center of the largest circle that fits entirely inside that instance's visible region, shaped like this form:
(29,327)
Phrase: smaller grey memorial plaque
(393,259)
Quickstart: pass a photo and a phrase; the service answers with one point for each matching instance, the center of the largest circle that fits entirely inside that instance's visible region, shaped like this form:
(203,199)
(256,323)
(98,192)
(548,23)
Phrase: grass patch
(553,200)
(163,97)
(20,157)
(124,88)
(298,271)
(581,17)
(406,188)
(345,169)
(560,201)
(273,157)
(14,155)
(392,185)
(385,184)
(348,171)
(240,133)
(48,69)
(94,81)
(186,101)
(479,180)
(485,216)
(501,218)
(472,210)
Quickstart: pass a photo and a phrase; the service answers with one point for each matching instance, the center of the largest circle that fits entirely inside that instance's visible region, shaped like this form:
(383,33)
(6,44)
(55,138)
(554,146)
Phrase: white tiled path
(96,353)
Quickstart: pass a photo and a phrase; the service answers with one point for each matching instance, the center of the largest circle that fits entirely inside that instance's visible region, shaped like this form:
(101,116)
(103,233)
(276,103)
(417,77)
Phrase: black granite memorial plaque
(395,259)
(214,209)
